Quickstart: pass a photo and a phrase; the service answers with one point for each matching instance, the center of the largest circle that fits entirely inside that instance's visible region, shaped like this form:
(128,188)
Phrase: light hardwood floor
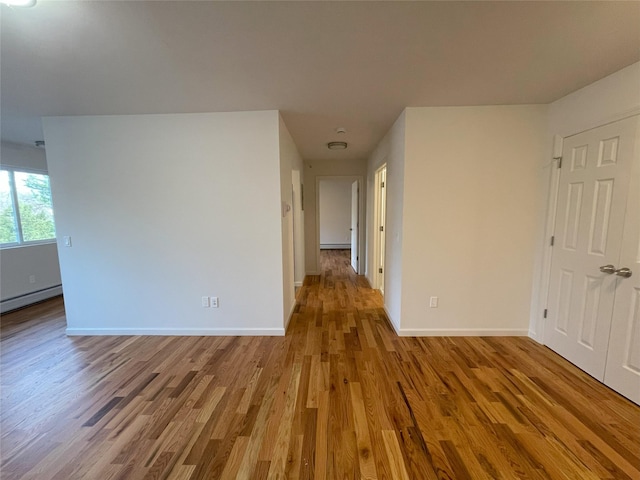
(341,396)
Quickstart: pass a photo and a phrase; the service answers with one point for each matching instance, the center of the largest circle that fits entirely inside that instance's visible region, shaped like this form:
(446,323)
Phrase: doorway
(379,230)
(339,211)
(355,226)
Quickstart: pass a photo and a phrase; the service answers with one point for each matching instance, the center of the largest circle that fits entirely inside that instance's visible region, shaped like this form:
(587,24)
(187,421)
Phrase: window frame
(16,208)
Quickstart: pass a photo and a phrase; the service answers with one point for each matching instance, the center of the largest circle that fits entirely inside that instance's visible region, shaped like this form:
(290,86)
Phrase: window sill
(27,244)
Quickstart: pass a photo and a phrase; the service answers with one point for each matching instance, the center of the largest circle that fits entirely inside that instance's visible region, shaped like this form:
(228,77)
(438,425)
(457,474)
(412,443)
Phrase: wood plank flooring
(339,397)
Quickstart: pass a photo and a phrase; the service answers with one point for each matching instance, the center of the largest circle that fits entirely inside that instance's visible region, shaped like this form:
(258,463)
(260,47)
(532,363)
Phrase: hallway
(340,396)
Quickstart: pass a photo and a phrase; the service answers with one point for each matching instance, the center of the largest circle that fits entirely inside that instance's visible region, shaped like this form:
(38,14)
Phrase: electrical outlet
(205,302)
(32,279)
(433,302)
(214,302)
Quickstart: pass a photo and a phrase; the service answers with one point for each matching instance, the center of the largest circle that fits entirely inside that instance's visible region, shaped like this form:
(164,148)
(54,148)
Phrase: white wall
(335,213)
(471,187)
(609,99)
(390,150)
(290,161)
(165,209)
(17,264)
(462,191)
(327,168)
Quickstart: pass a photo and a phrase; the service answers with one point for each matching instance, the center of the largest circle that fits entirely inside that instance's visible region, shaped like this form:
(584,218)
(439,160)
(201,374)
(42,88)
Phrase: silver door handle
(624,272)
(608,269)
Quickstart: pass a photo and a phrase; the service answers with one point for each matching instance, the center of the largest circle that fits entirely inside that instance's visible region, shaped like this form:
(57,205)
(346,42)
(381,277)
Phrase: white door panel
(592,199)
(623,361)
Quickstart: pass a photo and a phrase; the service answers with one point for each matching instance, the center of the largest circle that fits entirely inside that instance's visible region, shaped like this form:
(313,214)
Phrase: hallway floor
(340,396)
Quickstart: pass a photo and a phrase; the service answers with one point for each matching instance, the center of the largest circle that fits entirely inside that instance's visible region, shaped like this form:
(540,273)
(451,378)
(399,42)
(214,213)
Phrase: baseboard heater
(335,246)
(30,298)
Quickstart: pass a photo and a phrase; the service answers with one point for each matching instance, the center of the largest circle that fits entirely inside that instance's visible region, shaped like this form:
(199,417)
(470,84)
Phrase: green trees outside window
(32,220)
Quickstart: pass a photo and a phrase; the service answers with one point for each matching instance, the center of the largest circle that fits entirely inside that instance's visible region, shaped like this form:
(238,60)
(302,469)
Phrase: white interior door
(622,372)
(355,202)
(592,200)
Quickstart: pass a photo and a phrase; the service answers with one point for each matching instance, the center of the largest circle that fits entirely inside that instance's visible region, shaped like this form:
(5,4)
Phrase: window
(26,211)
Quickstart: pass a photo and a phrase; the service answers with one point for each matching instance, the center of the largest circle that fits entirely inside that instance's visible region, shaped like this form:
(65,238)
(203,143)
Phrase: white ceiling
(323,64)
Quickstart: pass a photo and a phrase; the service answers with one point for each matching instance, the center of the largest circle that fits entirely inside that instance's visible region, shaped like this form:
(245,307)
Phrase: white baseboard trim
(370,280)
(290,315)
(297,284)
(30,298)
(335,246)
(179,332)
(393,325)
(463,332)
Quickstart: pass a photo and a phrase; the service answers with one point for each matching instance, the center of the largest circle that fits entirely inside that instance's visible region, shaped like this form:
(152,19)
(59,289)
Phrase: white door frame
(378,278)
(355,237)
(298,229)
(549,227)
(361,218)
(550,219)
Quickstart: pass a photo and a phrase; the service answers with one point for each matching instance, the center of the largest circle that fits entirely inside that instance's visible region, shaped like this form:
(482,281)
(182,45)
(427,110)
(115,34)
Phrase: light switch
(67,241)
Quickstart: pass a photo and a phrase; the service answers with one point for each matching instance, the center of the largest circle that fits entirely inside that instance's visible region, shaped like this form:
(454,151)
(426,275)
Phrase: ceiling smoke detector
(337,145)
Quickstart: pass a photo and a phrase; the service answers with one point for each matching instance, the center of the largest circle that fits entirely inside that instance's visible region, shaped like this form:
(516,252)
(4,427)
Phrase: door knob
(608,269)
(623,272)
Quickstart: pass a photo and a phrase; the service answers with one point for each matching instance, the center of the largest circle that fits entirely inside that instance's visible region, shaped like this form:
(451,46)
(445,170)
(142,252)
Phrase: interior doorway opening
(339,217)
(379,227)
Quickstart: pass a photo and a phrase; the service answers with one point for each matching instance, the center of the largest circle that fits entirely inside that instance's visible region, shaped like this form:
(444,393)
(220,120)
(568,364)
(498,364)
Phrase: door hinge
(381,228)
(382,185)
(559,161)
(545,313)
(357,258)
(380,270)
(553,240)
